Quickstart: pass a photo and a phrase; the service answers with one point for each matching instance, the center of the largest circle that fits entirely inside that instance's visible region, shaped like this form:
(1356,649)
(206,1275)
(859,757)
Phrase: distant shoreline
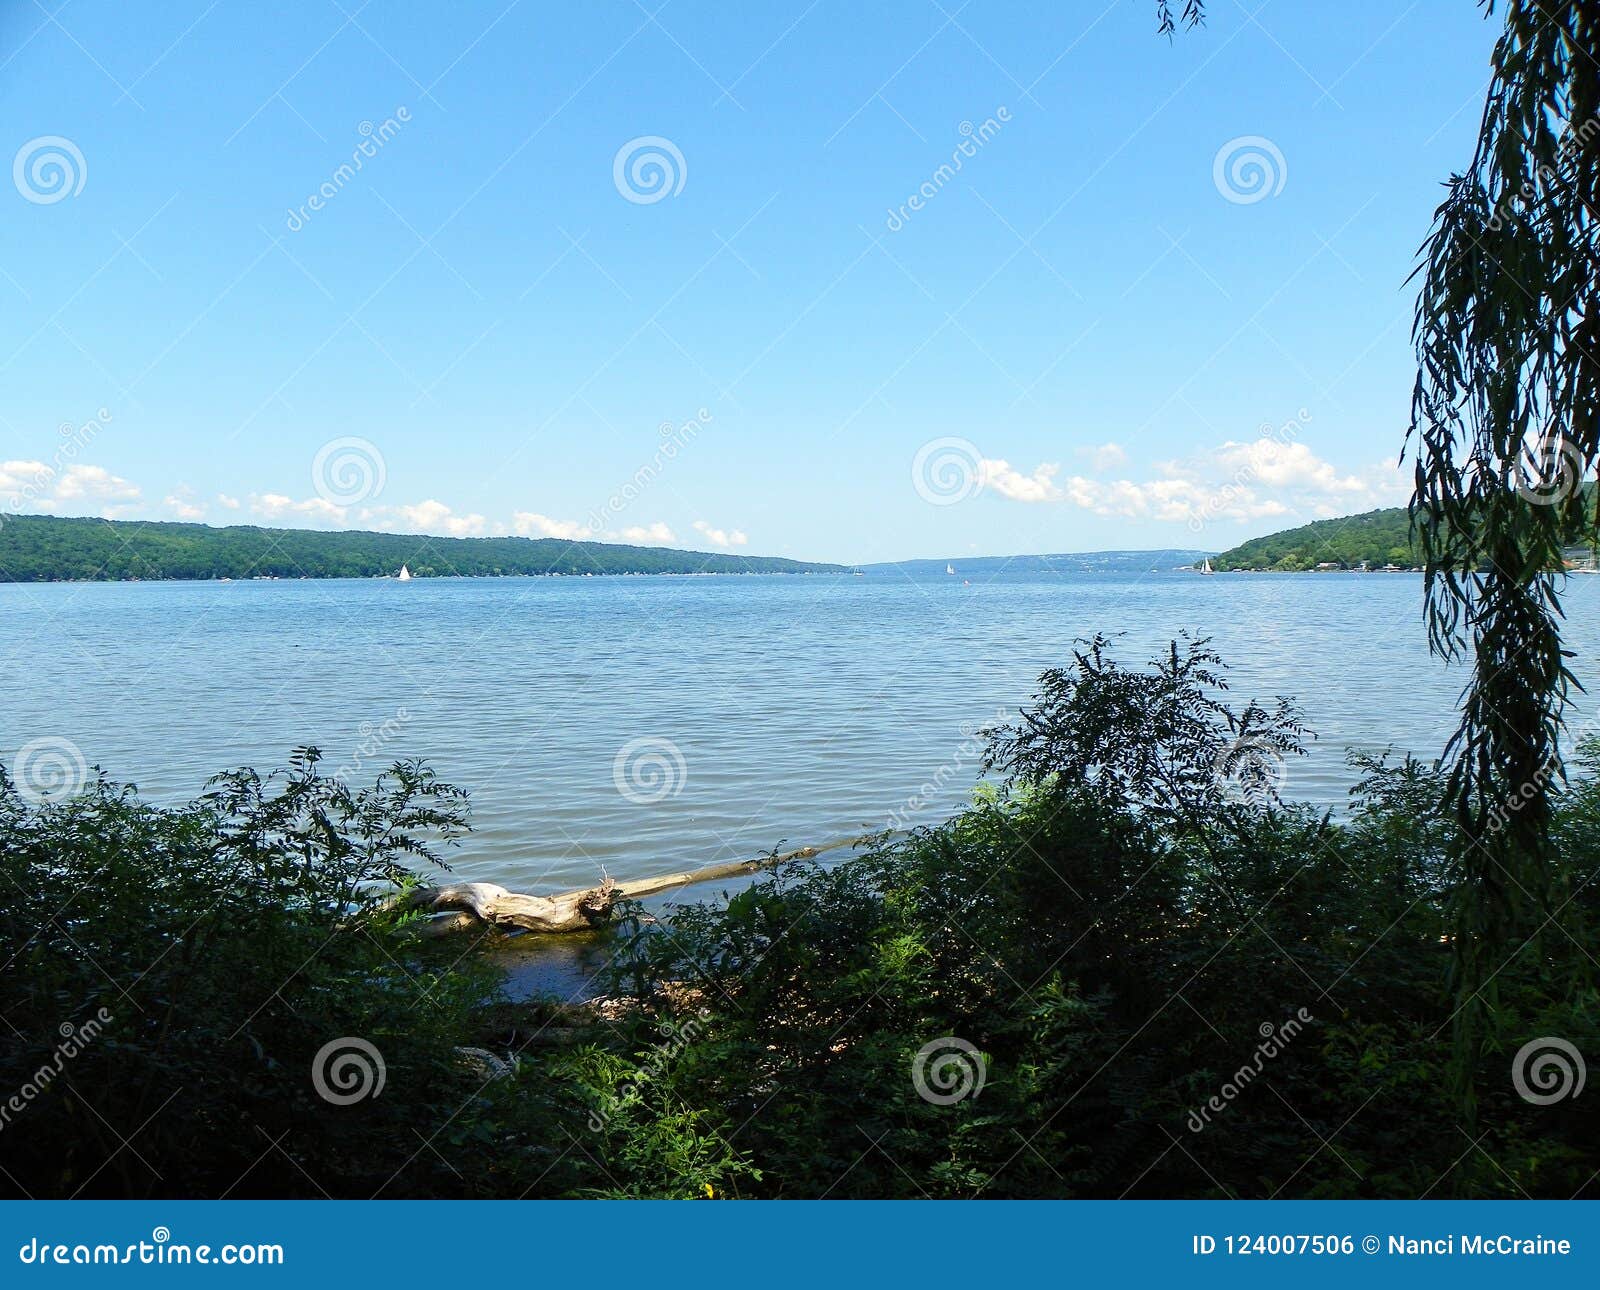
(432,577)
(48,548)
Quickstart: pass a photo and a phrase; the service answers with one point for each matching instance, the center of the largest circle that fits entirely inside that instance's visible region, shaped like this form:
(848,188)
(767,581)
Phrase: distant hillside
(44,548)
(1378,537)
(1069,562)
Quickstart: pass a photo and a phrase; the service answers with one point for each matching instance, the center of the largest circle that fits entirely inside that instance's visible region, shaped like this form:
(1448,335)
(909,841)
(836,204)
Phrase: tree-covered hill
(1377,537)
(44,548)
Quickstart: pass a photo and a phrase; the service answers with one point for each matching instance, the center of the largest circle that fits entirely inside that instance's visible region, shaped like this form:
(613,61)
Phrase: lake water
(771,710)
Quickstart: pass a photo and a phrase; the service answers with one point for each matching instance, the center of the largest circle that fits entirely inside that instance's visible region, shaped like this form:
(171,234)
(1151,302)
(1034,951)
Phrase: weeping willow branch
(1504,431)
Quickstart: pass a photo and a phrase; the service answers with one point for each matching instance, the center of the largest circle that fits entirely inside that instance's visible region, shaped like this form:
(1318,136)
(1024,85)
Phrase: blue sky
(1091,321)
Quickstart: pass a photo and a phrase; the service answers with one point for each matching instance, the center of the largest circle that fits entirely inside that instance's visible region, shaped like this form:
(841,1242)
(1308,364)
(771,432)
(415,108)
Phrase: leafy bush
(1129,970)
(1177,987)
(173,976)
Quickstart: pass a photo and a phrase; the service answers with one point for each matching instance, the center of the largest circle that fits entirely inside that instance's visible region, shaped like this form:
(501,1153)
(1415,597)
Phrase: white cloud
(77,489)
(656,534)
(1266,478)
(1037,487)
(179,504)
(93,483)
(1106,456)
(20,480)
(276,506)
(426,517)
(36,484)
(720,537)
(532,524)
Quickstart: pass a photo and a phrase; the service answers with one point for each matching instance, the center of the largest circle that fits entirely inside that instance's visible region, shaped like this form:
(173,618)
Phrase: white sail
(405,574)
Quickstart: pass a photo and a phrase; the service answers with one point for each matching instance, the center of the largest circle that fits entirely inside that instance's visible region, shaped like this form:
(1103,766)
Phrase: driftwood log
(470,904)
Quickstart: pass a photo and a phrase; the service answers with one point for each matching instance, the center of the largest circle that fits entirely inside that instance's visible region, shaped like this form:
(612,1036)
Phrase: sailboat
(1205,566)
(405,574)
(950,569)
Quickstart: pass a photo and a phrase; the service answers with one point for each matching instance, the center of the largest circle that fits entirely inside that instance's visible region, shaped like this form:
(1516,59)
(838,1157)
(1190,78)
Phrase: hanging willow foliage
(1194,14)
(1503,424)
